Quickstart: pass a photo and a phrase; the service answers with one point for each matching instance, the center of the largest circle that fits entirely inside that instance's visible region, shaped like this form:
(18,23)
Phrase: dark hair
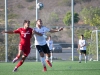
(49,36)
(26,21)
(82,35)
(38,20)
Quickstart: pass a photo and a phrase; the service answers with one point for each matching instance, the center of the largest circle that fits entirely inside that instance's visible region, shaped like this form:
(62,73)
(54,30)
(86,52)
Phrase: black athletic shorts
(51,51)
(83,51)
(43,48)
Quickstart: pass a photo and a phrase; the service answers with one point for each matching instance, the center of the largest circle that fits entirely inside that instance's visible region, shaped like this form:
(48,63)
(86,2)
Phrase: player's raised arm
(56,30)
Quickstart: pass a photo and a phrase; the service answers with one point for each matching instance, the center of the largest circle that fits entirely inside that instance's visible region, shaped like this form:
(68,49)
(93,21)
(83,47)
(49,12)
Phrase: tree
(91,16)
(53,18)
(67,18)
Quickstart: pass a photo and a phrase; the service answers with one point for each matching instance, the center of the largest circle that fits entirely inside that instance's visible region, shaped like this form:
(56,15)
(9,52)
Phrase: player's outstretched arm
(9,32)
(56,30)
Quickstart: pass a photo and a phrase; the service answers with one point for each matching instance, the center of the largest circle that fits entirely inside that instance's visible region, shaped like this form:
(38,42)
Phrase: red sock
(19,64)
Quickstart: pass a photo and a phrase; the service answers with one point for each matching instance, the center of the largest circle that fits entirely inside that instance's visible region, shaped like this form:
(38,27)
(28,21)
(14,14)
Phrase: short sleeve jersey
(40,40)
(81,43)
(50,44)
(25,35)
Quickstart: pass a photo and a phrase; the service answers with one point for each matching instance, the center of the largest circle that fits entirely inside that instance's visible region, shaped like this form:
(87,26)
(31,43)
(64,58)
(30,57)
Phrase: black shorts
(43,48)
(51,51)
(83,51)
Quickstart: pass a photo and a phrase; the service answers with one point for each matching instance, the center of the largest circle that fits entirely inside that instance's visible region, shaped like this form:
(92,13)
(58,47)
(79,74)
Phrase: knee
(48,55)
(42,54)
(23,58)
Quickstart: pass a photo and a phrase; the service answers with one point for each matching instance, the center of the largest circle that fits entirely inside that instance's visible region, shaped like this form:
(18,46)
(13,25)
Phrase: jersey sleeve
(47,29)
(17,30)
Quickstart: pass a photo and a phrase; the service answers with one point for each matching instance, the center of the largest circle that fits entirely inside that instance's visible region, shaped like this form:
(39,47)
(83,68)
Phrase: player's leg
(48,59)
(40,50)
(80,56)
(51,56)
(85,56)
(48,55)
(19,53)
(18,56)
(20,63)
(25,52)
(43,61)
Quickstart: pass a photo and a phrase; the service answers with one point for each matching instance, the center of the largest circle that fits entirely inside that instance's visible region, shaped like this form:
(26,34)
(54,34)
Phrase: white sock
(43,61)
(51,57)
(85,58)
(80,57)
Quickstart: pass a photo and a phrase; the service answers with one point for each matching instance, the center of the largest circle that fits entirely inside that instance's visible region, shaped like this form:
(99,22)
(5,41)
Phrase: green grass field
(59,68)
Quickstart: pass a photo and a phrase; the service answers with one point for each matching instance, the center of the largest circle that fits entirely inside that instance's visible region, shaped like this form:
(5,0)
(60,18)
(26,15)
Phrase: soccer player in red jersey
(25,33)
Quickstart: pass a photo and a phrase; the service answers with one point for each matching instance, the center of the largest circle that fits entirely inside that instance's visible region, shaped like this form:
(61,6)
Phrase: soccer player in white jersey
(50,45)
(40,42)
(82,48)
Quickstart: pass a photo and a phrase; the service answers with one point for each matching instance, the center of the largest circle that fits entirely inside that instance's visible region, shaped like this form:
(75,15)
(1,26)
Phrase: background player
(82,48)
(50,45)
(25,33)
(40,42)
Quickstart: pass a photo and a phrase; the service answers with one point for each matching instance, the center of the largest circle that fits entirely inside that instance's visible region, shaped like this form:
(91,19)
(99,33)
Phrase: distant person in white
(50,45)
(40,42)
(82,48)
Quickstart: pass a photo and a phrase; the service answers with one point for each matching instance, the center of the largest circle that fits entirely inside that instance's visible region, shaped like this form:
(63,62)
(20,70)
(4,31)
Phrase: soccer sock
(19,64)
(80,57)
(85,58)
(43,61)
(51,57)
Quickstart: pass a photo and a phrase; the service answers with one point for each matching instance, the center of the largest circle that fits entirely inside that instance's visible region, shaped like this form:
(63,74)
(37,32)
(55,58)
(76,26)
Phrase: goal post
(94,45)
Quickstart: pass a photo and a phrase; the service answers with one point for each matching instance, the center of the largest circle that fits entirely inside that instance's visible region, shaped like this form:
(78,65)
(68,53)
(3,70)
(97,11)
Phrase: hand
(61,28)
(3,32)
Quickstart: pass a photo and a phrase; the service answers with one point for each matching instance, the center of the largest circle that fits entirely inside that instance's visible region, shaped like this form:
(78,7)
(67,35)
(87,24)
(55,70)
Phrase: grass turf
(59,68)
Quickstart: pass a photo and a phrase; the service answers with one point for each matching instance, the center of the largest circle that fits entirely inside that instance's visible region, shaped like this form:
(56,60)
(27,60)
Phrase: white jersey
(40,40)
(50,44)
(82,43)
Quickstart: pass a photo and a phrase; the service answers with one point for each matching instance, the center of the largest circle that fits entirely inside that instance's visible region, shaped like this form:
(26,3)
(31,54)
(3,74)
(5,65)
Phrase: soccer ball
(40,5)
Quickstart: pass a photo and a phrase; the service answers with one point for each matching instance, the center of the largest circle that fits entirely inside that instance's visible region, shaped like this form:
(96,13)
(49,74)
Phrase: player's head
(39,22)
(49,37)
(26,23)
(82,36)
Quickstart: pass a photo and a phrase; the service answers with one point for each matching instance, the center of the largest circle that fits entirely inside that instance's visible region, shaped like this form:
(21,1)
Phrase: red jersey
(25,35)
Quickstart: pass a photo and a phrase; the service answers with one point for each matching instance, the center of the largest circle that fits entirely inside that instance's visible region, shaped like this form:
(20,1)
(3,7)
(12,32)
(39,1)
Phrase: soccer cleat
(48,62)
(44,69)
(15,69)
(14,60)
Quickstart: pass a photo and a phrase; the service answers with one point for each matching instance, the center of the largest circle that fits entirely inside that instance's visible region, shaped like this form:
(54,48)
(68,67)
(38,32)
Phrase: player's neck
(26,27)
(39,26)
